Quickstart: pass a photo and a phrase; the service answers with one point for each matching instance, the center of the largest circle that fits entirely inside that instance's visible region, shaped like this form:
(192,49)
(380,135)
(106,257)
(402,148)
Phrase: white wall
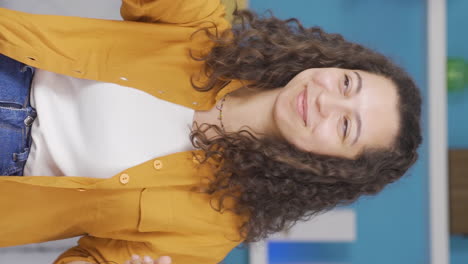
(36,253)
(105,9)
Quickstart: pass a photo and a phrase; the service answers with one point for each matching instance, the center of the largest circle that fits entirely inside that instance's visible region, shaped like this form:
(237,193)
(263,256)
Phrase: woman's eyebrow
(359,125)
(358,116)
(359,85)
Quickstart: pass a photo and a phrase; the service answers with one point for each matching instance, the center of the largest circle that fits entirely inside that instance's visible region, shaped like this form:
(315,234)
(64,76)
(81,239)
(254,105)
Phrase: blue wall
(457,47)
(457,23)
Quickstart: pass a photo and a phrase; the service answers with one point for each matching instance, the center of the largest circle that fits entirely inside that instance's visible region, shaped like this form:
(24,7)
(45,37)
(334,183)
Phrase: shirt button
(124,178)
(158,164)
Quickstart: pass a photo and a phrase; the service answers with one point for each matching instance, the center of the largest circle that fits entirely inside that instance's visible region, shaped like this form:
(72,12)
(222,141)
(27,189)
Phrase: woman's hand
(147,260)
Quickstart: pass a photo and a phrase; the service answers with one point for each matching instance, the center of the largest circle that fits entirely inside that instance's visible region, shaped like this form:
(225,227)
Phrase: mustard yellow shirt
(147,209)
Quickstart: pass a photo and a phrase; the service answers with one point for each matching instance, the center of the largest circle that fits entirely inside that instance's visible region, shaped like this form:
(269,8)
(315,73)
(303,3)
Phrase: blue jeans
(16,115)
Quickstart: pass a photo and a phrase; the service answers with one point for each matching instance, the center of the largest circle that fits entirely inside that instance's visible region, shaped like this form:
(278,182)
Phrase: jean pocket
(10,138)
(10,105)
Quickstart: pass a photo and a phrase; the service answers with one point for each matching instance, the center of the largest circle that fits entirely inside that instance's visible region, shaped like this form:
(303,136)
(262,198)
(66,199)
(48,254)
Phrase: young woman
(173,133)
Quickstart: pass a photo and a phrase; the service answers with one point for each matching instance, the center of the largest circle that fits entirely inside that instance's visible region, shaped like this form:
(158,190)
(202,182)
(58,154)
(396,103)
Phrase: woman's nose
(328,103)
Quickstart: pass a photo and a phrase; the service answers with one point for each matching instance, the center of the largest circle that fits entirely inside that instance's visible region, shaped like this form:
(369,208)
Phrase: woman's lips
(306,112)
(301,104)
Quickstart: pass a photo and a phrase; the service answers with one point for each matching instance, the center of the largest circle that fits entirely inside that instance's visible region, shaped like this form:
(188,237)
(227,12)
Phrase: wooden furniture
(458,189)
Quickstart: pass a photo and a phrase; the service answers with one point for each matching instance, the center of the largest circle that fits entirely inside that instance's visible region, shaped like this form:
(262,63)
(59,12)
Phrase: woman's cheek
(326,133)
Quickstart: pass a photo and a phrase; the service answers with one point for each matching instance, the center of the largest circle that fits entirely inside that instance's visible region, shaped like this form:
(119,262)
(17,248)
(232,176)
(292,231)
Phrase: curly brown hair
(273,182)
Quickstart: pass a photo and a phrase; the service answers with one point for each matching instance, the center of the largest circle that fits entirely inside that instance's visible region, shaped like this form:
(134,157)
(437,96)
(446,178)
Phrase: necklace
(220,108)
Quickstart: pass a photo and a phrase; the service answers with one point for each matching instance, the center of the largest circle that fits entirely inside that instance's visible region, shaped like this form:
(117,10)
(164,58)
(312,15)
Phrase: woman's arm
(169,11)
(209,248)
(136,259)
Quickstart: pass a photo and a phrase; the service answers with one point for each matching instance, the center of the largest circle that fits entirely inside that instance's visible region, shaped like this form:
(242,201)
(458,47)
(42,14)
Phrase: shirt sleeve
(182,249)
(171,11)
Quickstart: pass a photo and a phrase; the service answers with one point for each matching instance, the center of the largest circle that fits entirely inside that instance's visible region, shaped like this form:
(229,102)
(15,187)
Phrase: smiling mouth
(302,106)
(305,106)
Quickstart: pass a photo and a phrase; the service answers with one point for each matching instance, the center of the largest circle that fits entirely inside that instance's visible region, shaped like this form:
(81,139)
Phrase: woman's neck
(242,109)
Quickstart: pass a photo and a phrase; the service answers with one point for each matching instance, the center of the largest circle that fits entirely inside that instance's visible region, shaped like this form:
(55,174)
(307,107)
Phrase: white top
(95,129)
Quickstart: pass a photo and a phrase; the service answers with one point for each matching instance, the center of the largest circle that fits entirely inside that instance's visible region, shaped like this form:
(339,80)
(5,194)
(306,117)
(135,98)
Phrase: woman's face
(337,112)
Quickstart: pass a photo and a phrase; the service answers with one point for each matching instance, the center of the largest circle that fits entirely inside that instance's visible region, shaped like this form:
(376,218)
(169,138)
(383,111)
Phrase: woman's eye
(346,85)
(345,127)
